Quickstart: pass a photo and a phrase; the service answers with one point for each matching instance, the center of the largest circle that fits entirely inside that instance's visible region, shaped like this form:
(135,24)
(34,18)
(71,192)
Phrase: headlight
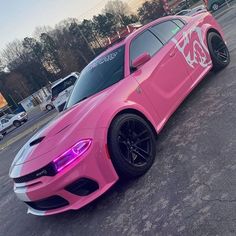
(22,115)
(72,154)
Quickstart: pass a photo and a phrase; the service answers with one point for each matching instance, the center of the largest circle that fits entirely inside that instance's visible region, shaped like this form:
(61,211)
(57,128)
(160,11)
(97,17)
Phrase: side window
(4,121)
(69,82)
(165,30)
(146,42)
(179,23)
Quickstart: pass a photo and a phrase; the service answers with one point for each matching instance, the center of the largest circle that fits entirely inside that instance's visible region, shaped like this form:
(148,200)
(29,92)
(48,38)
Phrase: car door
(165,77)
(194,50)
(5,124)
(1,125)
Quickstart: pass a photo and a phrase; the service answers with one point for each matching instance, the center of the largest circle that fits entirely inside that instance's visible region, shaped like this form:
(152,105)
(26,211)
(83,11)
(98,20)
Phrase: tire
(49,107)
(132,145)
(17,123)
(218,51)
(215,7)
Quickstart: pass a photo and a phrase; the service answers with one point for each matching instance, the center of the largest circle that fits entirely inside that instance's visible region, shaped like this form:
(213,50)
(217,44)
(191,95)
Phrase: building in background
(3,102)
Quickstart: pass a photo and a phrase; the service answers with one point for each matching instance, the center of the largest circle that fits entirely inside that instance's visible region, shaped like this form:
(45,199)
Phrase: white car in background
(47,104)
(12,120)
(62,89)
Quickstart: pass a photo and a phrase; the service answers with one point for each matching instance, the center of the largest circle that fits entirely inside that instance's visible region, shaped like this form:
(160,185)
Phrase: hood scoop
(37,141)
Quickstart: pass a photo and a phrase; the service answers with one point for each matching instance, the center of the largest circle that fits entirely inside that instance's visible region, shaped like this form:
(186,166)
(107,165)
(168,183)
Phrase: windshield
(63,85)
(98,75)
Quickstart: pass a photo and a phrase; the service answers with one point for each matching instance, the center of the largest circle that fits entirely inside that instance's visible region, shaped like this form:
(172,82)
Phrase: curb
(26,132)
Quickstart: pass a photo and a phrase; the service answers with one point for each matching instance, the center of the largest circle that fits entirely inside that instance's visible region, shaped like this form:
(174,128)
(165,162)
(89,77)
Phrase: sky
(19,18)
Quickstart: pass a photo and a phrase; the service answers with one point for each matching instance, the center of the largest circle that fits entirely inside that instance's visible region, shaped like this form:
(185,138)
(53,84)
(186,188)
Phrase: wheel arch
(210,30)
(132,111)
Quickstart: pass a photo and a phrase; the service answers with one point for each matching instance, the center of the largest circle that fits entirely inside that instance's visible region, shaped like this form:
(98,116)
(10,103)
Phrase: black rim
(17,123)
(220,49)
(135,142)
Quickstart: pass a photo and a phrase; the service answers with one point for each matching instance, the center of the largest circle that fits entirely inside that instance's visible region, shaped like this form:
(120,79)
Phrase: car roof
(134,33)
(63,79)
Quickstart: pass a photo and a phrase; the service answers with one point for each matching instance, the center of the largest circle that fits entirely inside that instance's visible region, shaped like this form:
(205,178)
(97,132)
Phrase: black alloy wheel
(17,123)
(218,50)
(132,145)
(49,107)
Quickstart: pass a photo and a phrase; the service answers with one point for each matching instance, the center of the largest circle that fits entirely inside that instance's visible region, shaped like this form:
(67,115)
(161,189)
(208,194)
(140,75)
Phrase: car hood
(62,132)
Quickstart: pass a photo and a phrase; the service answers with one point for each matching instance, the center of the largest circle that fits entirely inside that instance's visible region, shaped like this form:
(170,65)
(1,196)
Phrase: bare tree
(118,9)
(41,30)
(12,52)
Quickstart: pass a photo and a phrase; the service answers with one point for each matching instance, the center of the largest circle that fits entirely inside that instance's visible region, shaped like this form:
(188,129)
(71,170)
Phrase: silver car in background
(12,120)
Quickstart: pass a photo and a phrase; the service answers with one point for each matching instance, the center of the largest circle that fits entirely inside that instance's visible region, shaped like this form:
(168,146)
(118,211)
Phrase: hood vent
(36,141)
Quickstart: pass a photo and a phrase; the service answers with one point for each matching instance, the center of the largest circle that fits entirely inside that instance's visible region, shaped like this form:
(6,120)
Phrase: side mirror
(140,60)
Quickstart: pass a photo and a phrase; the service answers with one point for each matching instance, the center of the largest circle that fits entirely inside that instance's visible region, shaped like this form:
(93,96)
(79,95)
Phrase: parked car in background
(12,120)
(47,104)
(182,6)
(193,11)
(214,5)
(61,90)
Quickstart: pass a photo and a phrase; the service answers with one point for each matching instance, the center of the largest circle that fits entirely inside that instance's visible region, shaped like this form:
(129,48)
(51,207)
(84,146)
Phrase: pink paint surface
(156,89)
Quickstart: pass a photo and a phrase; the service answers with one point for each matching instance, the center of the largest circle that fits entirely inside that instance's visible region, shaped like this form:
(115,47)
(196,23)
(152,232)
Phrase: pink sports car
(116,110)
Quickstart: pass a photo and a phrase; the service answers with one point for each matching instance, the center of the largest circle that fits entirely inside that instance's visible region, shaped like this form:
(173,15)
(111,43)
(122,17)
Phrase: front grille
(49,203)
(47,170)
(82,187)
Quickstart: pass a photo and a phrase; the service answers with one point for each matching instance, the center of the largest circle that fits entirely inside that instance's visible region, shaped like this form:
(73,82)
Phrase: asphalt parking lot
(34,118)
(190,190)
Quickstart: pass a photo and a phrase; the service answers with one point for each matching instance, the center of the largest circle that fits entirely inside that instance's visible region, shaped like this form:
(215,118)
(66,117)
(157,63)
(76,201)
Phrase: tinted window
(146,42)
(3,121)
(165,30)
(179,23)
(63,85)
(98,75)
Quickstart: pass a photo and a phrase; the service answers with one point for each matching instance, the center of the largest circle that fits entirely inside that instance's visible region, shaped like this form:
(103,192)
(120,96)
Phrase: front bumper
(94,165)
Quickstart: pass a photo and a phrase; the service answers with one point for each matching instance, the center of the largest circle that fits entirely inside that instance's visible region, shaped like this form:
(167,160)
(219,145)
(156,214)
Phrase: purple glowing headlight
(72,154)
